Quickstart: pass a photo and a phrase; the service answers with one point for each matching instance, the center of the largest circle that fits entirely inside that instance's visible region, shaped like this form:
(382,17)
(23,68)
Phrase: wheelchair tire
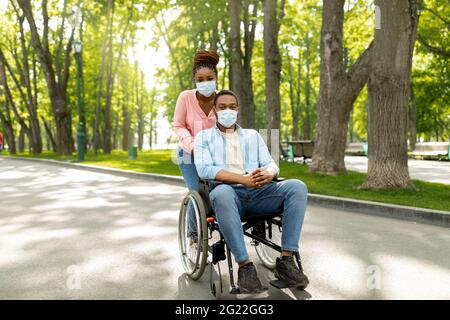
(266,254)
(193,254)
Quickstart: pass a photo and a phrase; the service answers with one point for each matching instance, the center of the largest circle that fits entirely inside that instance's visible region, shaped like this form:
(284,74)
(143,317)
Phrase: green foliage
(300,39)
(185,26)
(431,72)
(205,31)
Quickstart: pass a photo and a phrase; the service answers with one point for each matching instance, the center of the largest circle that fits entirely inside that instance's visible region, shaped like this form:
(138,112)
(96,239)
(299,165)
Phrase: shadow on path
(73,234)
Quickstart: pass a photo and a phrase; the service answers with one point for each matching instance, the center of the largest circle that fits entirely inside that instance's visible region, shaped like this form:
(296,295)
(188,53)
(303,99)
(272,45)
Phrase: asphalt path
(73,234)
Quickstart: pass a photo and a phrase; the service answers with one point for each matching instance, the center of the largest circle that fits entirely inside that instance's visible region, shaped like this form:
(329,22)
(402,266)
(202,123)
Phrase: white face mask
(206,88)
(227,117)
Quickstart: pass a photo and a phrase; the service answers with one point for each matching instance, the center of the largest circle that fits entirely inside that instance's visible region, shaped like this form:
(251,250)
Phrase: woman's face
(205,74)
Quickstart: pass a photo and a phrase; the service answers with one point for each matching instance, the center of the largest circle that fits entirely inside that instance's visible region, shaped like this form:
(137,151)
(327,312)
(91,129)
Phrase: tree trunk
(35,133)
(294,95)
(236,58)
(49,135)
(308,107)
(412,118)
(30,101)
(98,108)
(33,129)
(111,74)
(389,92)
(109,79)
(126,126)
(56,76)
(8,129)
(47,143)
(338,91)
(272,62)
(11,103)
(249,39)
(126,115)
(9,137)
(116,130)
(64,139)
(141,120)
(151,127)
(214,38)
(241,80)
(21,141)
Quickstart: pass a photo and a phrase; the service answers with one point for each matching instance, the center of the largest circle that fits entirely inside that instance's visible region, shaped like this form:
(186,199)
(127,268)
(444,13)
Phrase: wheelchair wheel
(266,254)
(193,235)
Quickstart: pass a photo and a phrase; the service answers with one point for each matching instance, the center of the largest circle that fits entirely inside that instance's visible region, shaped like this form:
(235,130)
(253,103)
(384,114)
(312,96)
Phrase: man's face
(226,102)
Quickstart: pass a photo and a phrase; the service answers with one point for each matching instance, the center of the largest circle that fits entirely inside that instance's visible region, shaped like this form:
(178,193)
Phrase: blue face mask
(206,88)
(227,117)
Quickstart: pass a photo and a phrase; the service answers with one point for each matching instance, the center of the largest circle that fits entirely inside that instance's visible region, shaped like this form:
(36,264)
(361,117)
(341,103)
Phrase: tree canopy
(122,101)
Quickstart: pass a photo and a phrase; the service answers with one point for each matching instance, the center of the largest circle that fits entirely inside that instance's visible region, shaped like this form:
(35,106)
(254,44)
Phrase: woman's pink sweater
(190,119)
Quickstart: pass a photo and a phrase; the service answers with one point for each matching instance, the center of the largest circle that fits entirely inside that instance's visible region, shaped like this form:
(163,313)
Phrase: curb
(414,214)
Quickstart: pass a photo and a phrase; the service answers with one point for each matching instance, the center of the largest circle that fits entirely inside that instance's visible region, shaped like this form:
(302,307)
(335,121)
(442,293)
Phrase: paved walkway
(427,170)
(73,234)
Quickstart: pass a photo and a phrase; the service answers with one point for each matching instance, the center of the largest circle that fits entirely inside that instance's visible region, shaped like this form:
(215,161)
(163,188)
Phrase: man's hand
(261,176)
(247,181)
(256,179)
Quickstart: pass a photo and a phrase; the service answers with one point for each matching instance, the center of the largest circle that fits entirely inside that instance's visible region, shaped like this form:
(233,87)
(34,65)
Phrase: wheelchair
(201,242)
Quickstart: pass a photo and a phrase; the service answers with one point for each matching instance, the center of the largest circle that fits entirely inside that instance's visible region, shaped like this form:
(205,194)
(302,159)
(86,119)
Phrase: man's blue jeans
(187,167)
(233,202)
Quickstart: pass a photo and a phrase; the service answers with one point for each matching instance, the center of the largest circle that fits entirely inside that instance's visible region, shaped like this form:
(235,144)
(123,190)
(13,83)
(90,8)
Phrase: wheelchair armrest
(217,182)
(211,181)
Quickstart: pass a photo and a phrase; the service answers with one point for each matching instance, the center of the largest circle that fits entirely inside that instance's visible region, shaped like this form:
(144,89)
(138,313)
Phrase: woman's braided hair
(205,59)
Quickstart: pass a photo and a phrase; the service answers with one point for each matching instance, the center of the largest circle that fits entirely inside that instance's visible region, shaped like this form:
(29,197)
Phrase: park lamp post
(81,145)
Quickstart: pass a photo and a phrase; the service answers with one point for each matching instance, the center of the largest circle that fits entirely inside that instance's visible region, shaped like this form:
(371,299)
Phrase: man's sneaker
(286,269)
(248,280)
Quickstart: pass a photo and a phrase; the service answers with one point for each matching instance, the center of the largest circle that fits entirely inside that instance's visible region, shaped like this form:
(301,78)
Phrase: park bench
(300,150)
(441,150)
(356,148)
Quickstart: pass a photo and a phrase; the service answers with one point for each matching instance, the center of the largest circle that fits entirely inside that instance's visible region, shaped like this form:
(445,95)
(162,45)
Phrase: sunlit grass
(426,195)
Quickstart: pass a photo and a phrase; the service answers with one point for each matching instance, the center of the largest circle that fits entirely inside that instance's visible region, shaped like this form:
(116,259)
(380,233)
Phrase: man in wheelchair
(240,159)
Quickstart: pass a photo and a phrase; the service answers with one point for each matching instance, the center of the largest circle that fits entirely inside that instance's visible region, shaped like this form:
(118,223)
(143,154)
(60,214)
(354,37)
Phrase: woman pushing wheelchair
(239,158)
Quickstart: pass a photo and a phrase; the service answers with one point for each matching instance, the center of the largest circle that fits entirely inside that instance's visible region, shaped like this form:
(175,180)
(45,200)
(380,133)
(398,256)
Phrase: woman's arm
(179,124)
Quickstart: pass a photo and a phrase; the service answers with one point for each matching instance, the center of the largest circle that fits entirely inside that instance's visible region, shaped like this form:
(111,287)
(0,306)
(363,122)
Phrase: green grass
(155,161)
(426,195)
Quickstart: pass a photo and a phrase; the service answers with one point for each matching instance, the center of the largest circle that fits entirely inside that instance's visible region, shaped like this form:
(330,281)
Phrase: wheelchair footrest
(237,290)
